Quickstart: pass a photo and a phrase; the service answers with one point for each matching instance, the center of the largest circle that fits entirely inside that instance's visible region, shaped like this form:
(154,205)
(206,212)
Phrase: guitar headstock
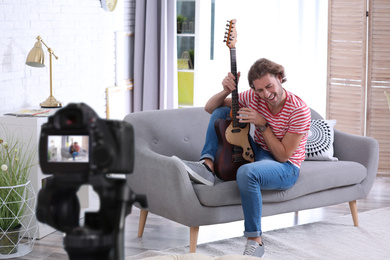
(231,34)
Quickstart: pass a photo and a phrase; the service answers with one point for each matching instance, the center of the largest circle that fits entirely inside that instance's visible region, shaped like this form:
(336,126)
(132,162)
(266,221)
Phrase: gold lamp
(36,58)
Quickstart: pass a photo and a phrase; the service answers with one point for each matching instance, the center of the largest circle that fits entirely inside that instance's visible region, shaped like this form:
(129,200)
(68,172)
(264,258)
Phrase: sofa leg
(194,231)
(142,220)
(354,212)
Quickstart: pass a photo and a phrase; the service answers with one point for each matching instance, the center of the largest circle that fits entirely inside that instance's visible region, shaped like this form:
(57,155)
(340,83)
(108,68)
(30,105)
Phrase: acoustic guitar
(234,148)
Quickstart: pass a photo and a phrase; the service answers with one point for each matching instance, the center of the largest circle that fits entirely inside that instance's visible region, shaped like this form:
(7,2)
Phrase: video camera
(90,149)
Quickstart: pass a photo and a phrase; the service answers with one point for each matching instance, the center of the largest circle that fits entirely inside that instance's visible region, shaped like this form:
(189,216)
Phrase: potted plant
(180,20)
(16,193)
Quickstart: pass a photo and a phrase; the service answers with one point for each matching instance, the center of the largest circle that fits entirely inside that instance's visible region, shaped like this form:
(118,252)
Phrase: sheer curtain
(155,77)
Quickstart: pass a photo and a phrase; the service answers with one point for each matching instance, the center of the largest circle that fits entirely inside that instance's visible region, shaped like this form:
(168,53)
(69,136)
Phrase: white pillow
(319,146)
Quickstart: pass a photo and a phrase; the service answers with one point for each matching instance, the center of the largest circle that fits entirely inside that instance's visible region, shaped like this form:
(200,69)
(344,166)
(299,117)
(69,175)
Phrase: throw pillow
(319,146)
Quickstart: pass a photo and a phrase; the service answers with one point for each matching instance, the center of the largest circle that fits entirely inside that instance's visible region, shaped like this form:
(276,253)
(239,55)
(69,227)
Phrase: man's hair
(262,67)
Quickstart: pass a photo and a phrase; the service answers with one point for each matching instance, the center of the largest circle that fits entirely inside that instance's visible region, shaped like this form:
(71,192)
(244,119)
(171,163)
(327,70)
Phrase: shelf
(186,34)
(185,70)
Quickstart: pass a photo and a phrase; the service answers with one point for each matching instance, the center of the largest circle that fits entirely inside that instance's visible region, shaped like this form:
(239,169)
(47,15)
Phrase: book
(32,113)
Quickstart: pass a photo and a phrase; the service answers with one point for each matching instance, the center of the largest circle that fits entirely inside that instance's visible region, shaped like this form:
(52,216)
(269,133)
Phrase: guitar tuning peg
(224,40)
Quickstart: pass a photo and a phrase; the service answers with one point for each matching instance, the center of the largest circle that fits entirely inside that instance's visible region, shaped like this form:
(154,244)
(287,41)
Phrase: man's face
(269,88)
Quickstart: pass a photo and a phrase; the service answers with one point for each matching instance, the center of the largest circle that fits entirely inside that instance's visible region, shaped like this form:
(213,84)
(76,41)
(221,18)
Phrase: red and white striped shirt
(294,117)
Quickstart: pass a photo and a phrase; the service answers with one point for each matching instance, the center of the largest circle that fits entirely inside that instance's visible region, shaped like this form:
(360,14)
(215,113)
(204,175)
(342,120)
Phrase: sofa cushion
(314,176)
(319,144)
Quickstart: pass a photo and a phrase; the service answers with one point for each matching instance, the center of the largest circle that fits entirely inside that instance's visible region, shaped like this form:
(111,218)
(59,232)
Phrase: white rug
(336,238)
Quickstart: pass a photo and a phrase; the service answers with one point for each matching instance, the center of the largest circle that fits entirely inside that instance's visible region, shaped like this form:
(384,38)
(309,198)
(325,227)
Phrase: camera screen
(68,149)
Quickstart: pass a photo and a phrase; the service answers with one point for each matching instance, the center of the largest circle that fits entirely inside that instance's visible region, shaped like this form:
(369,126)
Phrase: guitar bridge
(237,154)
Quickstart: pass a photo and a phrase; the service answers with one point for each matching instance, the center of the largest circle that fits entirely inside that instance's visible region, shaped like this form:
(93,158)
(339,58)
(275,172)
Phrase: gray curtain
(155,74)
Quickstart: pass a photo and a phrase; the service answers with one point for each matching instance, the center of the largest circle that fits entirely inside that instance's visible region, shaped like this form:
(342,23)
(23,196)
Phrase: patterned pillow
(319,146)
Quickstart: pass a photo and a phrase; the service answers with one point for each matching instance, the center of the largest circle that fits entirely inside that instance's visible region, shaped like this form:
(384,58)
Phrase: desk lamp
(36,58)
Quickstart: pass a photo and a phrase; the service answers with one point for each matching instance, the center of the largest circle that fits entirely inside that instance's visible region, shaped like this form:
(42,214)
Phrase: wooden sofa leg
(194,231)
(354,212)
(142,220)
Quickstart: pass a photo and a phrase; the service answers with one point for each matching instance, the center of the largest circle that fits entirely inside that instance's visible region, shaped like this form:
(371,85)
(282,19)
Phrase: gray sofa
(67,155)
(170,193)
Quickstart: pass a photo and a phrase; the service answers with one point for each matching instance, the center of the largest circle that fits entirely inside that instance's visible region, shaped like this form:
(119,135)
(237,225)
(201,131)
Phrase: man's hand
(229,83)
(249,115)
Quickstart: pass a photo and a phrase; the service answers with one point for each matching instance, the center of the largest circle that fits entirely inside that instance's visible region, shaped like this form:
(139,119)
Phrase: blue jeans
(264,174)
(74,154)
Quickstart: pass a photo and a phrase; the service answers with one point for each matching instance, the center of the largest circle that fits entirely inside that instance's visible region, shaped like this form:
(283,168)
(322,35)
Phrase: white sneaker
(198,172)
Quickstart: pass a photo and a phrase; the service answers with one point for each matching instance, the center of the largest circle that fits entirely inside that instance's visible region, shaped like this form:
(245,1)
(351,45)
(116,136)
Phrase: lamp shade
(36,57)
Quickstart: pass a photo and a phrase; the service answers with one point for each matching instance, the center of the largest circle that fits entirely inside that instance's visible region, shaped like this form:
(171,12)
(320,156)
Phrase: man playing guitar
(282,123)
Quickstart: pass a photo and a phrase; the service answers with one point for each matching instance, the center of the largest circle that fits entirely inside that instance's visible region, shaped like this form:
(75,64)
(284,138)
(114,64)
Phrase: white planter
(23,195)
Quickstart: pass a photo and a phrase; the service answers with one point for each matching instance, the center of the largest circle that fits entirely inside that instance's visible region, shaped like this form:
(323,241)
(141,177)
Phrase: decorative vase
(18,225)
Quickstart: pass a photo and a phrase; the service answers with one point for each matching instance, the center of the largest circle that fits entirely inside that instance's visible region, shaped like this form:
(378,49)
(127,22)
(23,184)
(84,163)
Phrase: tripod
(102,235)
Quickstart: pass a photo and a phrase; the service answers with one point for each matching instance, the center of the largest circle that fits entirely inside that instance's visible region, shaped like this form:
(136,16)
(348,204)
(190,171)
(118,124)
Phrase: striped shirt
(294,117)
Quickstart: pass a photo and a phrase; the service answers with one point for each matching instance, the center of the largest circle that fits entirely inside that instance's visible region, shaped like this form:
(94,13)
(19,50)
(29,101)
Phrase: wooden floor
(161,233)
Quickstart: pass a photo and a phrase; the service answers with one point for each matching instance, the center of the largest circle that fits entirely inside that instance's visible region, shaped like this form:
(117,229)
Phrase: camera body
(90,147)
(106,146)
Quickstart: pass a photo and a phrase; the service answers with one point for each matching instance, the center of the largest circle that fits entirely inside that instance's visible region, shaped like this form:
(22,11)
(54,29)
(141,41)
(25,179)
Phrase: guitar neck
(233,69)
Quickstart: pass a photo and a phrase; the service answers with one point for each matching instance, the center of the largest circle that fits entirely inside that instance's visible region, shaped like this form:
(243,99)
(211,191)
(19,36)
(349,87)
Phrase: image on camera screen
(68,149)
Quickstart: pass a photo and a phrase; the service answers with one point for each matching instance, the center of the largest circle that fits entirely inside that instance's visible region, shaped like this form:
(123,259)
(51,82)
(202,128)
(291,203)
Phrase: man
(74,150)
(282,123)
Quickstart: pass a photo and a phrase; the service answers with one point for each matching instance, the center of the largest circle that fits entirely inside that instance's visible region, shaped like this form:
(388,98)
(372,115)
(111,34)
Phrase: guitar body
(234,149)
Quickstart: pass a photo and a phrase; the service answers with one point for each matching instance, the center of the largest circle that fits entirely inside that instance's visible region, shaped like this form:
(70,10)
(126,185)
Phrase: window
(185,51)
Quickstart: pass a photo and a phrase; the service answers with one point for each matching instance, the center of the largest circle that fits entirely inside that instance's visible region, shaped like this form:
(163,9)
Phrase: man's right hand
(229,83)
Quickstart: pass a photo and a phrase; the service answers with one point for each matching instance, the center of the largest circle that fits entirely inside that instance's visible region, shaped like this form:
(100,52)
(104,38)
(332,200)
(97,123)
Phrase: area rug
(335,238)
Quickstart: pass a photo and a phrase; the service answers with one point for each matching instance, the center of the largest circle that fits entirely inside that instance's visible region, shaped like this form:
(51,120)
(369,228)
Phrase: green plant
(180,19)
(192,52)
(16,159)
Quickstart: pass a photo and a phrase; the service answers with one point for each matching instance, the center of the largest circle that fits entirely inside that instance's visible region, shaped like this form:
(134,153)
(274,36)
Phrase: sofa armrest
(364,150)
(165,183)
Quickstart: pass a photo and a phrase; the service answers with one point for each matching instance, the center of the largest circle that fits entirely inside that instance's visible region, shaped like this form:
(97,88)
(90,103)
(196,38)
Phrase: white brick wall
(80,33)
